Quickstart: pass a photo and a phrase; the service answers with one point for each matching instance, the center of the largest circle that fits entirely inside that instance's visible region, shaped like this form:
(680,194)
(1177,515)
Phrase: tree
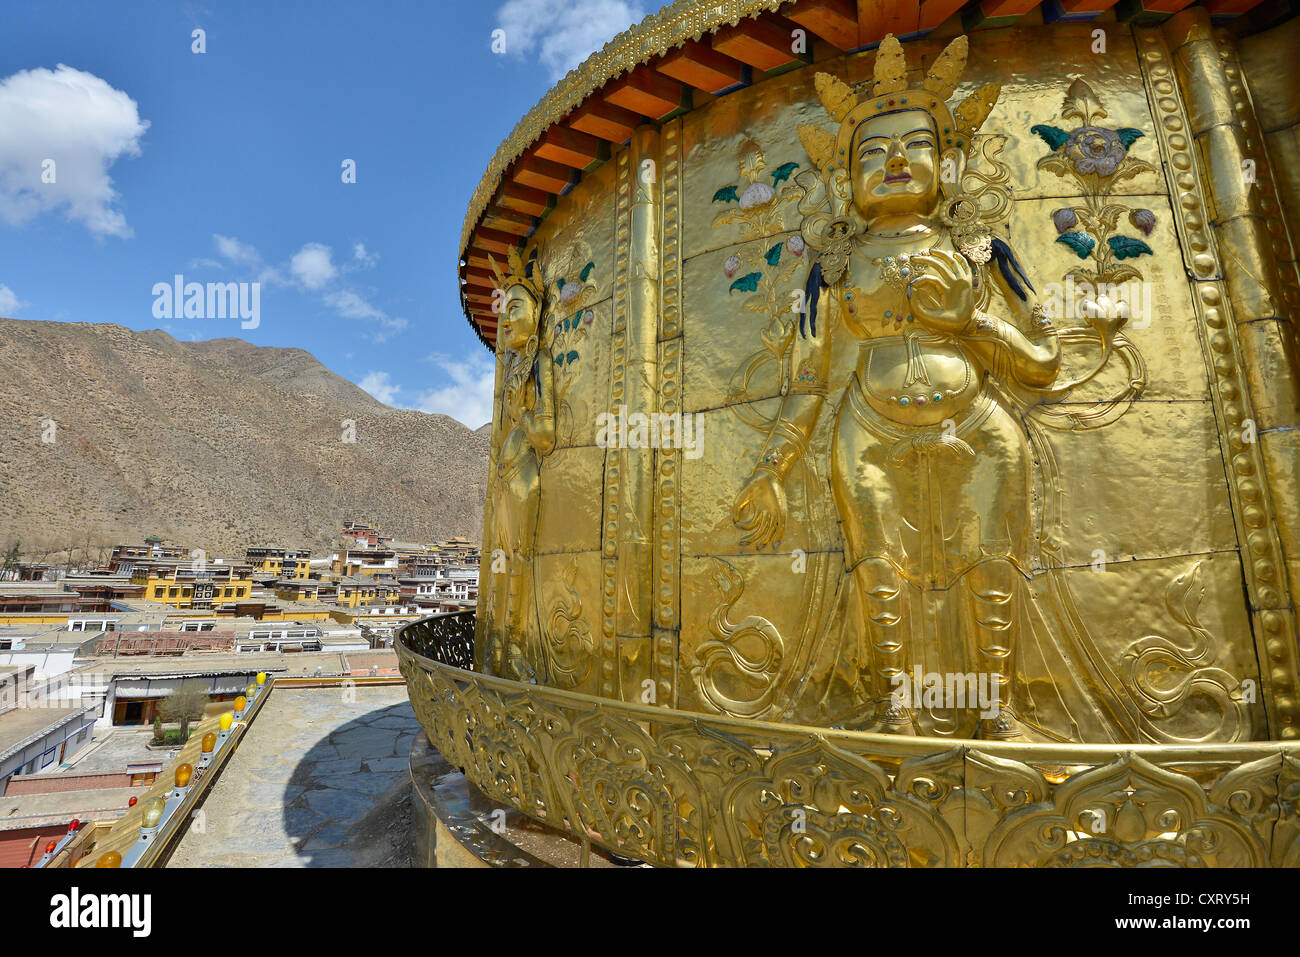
(10,567)
(183,705)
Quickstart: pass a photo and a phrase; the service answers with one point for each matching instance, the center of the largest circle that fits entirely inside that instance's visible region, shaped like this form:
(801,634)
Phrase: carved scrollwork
(727,660)
(1126,813)
(1161,674)
(681,789)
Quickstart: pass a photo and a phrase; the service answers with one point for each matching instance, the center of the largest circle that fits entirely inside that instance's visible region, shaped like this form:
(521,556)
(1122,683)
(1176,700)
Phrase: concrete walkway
(321,780)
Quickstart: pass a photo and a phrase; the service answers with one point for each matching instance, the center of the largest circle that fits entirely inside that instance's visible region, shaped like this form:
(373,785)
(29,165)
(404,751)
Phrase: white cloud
(9,302)
(313,266)
(381,387)
(81,123)
(563,33)
(364,257)
(231,249)
(349,305)
(312,270)
(469,398)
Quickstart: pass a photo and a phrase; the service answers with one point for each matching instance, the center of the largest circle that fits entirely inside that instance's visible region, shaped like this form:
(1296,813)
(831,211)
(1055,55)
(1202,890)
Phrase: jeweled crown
(520,273)
(890,92)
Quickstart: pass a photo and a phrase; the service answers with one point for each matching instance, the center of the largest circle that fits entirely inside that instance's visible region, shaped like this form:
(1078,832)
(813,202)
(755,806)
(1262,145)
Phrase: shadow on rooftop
(348,801)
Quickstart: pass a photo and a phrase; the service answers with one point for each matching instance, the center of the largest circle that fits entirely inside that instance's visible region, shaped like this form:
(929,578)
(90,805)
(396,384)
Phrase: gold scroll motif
(703,791)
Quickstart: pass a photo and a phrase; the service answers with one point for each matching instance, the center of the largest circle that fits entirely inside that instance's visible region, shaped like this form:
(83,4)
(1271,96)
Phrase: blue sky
(226,166)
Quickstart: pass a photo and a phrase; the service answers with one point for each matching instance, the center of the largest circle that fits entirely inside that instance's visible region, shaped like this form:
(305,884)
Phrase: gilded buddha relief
(526,422)
(941,479)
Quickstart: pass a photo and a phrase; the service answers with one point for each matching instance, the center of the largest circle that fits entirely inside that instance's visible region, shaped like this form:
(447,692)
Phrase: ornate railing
(677,788)
(446,638)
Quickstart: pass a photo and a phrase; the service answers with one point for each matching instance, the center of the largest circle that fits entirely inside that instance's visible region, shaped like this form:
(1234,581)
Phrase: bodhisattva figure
(527,429)
(930,465)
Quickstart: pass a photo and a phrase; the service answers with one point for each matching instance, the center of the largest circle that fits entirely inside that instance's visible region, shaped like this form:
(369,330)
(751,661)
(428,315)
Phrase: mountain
(218,444)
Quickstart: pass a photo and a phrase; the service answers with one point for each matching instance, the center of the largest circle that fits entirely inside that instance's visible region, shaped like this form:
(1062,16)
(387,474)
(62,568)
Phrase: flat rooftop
(40,810)
(20,725)
(191,664)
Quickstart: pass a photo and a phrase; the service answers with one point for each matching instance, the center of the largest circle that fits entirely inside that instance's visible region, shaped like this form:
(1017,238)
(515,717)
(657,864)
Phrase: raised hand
(943,298)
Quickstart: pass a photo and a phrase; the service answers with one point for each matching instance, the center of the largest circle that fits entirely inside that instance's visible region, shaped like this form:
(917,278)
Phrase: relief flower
(1094,149)
(1065,220)
(795,244)
(731,266)
(588,316)
(1144,220)
(756,194)
(569,290)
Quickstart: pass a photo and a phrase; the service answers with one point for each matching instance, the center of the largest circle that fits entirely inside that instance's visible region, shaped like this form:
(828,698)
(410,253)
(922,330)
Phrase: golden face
(896,163)
(518,318)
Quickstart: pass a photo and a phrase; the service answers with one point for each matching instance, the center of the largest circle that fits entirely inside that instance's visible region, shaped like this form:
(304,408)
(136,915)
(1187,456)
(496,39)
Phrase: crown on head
(889,93)
(519,273)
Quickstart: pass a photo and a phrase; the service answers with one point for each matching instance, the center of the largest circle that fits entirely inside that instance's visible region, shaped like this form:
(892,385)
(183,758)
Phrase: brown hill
(217,444)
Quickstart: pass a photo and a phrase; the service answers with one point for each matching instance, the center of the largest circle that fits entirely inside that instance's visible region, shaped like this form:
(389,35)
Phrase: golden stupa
(895,445)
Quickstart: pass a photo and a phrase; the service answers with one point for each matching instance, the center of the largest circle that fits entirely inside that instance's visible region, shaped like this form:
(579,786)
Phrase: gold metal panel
(718,149)
(570,513)
(1169,598)
(582,353)
(745,644)
(1276,391)
(1281,453)
(569,612)
(1120,498)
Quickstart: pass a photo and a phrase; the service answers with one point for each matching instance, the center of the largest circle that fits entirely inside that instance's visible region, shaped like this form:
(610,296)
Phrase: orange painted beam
(702,67)
(764,42)
(935,12)
(570,147)
(1087,6)
(1226,8)
(835,21)
(479,276)
(508,220)
(480,284)
(523,199)
(493,241)
(479,258)
(646,91)
(531,170)
(609,122)
(995,9)
(876,18)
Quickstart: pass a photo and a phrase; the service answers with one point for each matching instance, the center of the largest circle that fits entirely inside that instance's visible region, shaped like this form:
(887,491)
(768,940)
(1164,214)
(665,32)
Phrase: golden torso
(909,374)
(519,397)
